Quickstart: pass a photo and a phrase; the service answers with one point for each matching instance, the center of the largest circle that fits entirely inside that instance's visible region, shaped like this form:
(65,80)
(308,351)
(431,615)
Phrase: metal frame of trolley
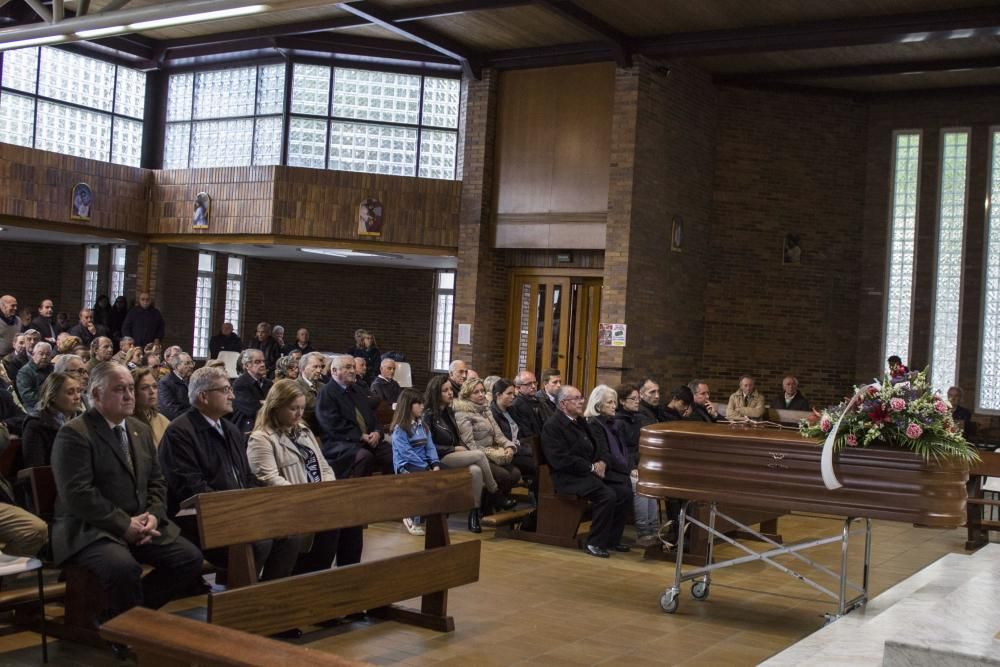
(702,576)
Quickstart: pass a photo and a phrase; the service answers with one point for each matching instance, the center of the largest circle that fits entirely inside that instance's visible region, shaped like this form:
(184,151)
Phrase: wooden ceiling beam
(869,30)
(865,70)
(470,60)
(619,42)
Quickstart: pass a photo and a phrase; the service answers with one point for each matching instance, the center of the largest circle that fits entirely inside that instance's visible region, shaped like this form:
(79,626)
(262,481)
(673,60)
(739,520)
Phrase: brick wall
(176,278)
(786,163)
(332,300)
(36,271)
(663,159)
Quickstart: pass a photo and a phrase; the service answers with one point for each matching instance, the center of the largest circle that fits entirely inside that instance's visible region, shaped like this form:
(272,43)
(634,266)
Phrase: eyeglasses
(228,389)
(631,398)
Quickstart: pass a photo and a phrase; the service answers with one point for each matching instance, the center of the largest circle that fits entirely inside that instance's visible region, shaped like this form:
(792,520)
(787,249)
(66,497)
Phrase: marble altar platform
(946,615)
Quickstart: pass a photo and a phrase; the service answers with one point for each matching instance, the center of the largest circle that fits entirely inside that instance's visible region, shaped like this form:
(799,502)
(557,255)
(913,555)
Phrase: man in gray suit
(110,514)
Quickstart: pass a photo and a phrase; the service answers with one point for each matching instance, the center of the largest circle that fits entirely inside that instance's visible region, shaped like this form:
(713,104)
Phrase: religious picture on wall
(370,218)
(677,234)
(202,211)
(792,249)
(83,199)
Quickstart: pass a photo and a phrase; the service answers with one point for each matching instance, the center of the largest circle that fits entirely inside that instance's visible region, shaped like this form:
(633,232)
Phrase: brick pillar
(481,280)
(662,162)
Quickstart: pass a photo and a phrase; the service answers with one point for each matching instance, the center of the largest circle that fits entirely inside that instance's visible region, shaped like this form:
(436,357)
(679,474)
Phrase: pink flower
(897,404)
(825,424)
(913,431)
(852,440)
(941,407)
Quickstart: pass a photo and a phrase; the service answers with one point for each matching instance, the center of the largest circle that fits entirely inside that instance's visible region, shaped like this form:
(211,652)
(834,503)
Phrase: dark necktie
(123,443)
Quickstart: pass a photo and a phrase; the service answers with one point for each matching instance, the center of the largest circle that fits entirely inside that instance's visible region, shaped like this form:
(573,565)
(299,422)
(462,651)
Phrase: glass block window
(92,257)
(203,304)
(374,122)
(234,291)
(902,243)
(948,280)
(225,118)
(74,105)
(117,282)
(444,311)
(988,396)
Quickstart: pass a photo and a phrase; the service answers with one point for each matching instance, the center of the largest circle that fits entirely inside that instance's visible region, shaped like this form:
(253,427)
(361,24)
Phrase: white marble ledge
(903,654)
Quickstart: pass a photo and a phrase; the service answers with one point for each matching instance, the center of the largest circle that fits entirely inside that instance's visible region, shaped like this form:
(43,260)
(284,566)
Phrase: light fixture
(197,18)
(334,252)
(101,32)
(35,41)
(3,229)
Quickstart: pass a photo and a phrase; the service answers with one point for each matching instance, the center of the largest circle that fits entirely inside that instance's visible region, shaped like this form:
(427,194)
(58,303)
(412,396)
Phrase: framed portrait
(791,249)
(370,218)
(202,211)
(677,234)
(81,202)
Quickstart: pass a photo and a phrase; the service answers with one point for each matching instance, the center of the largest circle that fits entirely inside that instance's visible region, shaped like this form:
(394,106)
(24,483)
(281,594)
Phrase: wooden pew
(236,519)
(11,459)
(558,516)
(84,598)
(166,640)
(977,527)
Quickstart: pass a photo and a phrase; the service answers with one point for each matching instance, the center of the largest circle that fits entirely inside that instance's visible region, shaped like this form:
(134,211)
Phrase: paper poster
(611,335)
(465,334)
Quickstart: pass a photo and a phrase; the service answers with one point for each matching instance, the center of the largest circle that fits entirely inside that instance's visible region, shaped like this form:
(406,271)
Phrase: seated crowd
(130,438)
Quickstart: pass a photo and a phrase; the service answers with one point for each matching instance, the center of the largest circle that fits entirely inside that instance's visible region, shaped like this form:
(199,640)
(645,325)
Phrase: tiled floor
(550,606)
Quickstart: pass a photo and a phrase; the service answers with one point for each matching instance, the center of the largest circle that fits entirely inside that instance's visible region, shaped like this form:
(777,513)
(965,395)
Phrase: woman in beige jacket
(282,451)
(479,431)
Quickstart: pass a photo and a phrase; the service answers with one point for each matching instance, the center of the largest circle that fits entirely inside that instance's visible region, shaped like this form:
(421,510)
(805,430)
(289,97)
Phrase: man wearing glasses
(201,452)
(527,409)
(578,468)
(250,389)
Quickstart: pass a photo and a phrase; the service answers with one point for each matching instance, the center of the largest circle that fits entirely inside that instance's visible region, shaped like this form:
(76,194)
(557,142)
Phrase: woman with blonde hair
(283,451)
(146,394)
(479,431)
(59,400)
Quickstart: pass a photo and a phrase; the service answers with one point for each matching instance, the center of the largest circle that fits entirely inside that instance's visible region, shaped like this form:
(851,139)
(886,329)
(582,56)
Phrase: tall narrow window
(234,292)
(902,243)
(988,396)
(948,281)
(444,309)
(203,304)
(117,281)
(92,257)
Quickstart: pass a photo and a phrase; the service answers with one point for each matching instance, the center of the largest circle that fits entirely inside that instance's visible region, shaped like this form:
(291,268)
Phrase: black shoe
(506,504)
(622,548)
(294,633)
(120,651)
(357,616)
(474,525)
(596,551)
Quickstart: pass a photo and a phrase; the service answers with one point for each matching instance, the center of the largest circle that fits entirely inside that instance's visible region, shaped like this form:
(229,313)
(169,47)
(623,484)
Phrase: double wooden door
(552,323)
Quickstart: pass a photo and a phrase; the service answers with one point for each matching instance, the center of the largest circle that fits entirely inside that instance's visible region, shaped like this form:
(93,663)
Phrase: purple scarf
(616,446)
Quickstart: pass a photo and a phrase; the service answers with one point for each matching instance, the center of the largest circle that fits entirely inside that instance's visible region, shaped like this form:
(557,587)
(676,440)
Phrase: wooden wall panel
(553,155)
(38,185)
(324,204)
(242,200)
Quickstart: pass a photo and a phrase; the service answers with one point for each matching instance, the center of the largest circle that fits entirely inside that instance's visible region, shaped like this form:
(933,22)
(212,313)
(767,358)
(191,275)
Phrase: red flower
(878,414)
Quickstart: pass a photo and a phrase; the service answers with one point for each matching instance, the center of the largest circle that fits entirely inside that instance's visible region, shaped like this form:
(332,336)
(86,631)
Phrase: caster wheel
(699,590)
(669,602)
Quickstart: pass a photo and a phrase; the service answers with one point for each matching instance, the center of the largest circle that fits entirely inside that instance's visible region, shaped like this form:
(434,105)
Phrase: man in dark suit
(351,441)
(201,452)
(86,330)
(527,409)
(650,410)
(172,392)
(45,322)
(250,389)
(110,513)
(311,367)
(385,385)
(702,409)
(225,341)
(961,415)
(577,469)
(792,399)
(551,383)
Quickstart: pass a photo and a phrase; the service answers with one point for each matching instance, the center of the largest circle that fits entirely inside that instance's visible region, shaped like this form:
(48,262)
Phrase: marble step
(867,628)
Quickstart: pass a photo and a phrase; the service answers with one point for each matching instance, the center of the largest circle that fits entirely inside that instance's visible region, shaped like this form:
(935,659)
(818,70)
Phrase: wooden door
(552,323)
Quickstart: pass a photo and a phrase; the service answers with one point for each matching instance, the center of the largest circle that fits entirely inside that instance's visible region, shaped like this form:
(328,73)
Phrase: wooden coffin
(780,470)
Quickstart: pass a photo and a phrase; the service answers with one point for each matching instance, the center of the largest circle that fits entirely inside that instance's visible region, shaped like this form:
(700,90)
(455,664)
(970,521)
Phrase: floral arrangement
(909,415)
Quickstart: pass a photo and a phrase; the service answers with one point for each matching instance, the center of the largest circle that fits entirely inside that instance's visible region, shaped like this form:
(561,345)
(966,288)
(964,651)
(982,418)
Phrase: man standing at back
(110,513)
(144,323)
(45,322)
(10,324)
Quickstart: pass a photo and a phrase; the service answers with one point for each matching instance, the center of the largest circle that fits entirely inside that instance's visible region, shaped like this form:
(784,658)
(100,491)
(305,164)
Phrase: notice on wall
(465,334)
(611,335)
